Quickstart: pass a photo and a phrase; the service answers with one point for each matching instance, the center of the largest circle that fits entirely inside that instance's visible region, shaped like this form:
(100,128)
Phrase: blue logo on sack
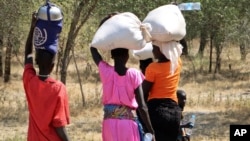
(40,36)
(48,27)
(46,34)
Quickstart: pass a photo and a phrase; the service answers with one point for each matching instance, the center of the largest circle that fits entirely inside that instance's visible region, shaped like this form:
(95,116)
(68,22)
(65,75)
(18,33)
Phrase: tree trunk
(218,59)
(203,42)
(59,56)
(65,59)
(7,68)
(211,55)
(183,42)
(70,42)
(243,52)
(77,22)
(79,78)
(1,57)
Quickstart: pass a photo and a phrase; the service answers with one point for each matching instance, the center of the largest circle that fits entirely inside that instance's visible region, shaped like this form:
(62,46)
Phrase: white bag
(144,53)
(167,23)
(120,31)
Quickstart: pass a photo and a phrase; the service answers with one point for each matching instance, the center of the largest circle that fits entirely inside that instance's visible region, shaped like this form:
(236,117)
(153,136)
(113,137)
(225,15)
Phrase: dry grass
(217,100)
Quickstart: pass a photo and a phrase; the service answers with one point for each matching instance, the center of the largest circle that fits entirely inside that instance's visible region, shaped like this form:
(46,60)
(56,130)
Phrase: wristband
(29,56)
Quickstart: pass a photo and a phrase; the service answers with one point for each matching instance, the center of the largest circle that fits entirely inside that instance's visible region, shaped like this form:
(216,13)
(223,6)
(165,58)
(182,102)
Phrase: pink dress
(119,90)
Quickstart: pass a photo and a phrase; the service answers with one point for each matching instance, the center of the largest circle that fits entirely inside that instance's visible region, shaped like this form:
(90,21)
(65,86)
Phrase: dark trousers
(165,116)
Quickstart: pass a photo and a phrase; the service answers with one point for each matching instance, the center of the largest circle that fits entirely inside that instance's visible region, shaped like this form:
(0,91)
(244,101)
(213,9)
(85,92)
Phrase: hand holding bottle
(149,137)
(191,125)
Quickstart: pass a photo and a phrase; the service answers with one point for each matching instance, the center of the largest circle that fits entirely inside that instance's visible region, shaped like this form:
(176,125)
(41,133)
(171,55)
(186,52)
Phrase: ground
(217,100)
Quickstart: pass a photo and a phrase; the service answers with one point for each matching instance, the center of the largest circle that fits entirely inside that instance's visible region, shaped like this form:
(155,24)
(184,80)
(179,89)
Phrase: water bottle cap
(148,137)
(54,13)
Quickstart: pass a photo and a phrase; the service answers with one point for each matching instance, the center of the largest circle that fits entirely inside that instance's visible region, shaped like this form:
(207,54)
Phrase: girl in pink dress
(122,95)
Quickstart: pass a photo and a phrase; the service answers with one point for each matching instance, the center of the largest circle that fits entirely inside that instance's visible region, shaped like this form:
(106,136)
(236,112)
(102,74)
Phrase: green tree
(81,14)
(12,17)
(218,24)
(82,10)
(239,34)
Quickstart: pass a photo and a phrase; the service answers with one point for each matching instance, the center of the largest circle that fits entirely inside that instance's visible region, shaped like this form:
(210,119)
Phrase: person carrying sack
(122,91)
(46,97)
(162,76)
(48,27)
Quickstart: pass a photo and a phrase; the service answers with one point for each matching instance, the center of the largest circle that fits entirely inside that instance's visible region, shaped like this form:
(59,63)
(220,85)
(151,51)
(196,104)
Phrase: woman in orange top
(160,86)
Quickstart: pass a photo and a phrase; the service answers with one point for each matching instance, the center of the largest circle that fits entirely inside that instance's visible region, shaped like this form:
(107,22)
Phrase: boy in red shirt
(47,98)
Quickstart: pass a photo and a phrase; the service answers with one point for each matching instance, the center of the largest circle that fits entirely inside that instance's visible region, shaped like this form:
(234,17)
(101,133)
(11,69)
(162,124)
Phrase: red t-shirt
(48,106)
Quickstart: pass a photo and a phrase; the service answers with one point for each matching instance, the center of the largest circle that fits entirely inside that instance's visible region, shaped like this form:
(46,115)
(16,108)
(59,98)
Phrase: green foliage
(240,31)
(138,7)
(105,7)
(14,17)
(225,21)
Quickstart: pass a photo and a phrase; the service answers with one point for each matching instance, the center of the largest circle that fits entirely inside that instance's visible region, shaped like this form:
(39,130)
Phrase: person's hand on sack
(33,19)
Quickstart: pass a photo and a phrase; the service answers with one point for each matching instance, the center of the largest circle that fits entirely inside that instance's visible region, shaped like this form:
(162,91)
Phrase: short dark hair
(180,93)
(107,17)
(144,64)
(44,59)
(119,52)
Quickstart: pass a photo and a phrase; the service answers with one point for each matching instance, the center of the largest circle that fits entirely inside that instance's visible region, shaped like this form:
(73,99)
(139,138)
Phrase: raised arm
(143,109)
(29,43)
(95,55)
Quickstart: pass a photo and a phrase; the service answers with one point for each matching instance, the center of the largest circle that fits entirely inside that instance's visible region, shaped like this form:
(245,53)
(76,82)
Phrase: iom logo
(40,36)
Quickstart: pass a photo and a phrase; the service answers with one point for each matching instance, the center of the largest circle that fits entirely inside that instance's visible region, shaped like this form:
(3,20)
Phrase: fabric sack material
(48,27)
(171,50)
(144,53)
(120,31)
(167,23)
(46,35)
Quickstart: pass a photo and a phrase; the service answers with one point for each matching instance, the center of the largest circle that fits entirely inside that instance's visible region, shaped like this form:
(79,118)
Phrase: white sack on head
(172,50)
(167,23)
(144,53)
(123,30)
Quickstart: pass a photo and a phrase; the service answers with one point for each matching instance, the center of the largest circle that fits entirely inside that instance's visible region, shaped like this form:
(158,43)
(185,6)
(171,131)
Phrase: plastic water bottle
(148,137)
(192,122)
(190,6)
